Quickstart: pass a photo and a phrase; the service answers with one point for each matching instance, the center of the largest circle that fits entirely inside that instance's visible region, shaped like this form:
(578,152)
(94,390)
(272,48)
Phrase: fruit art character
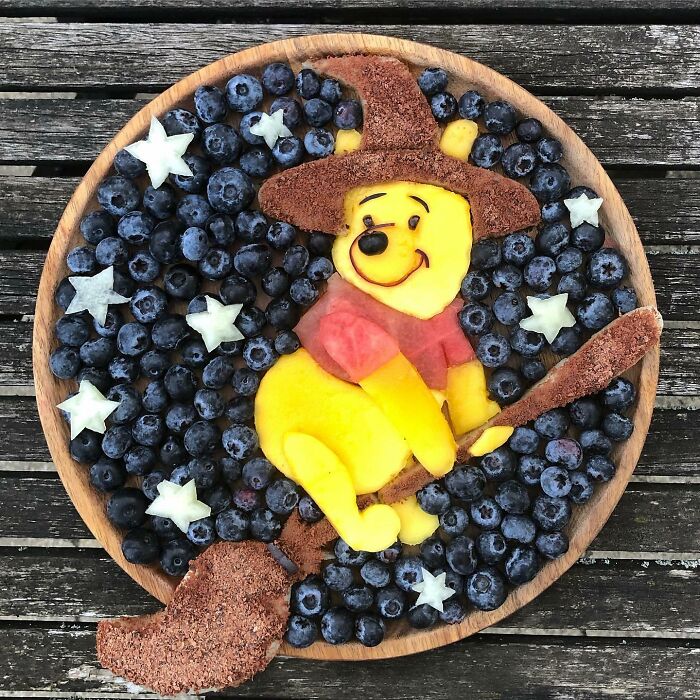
(382,350)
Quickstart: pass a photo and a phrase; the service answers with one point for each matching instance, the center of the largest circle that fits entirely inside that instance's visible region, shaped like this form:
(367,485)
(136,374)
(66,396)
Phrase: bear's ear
(396,115)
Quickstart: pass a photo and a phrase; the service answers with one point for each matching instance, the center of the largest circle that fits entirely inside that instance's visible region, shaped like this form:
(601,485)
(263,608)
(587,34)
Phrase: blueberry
(493,350)
(258,472)
(97,376)
(491,547)
(475,318)
(159,202)
(330,91)
(296,260)
(432,552)
(454,521)
(509,309)
(82,260)
(624,299)
(519,160)
(140,459)
(319,269)
(195,183)
(549,150)
(129,403)
(369,630)
(155,397)
(85,447)
(569,259)
(555,482)
(486,513)
(245,381)
(512,497)
(617,427)
(281,235)
(530,468)
(202,438)
(303,292)
(619,394)
(230,190)
(96,226)
(148,304)
(319,143)
(461,555)
(357,598)
(595,441)
(348,114)
(194,243)
(180,382)
(539,273)
(176,556)
(595,311)
(247,500)
(443,105)
(549,182)
(140,546)
(554,211)
(433,499)
(565,452)
(585,413)
(471,105)
(123,369)
(180,121)
(164,243)
(320,243)
(487,150)
(521,565)
(309,597)
(465,482)
(128,166)
(308,83)
(180,417)
(133,339)
(432,81)
(337,577)
(256,162)
(422,616)
(587,237)
(232,524)
(552,424)
(221,143)
(606,268)
(230,469)
(506,385)
(236,289)
(193,210)
(244,93)
(529,130)
(552,545)
(291,111)
(264,525)
(551,513)
(599,468)
(259,354)
(581,488)
(348,556)
(143,267)
(524,441)
(209,404)
(218,498)
(111,251)
(209,104)
(518,249)
(527,343)
(64,362)
(247,121)
(251,226)
(277,78)
(202,532)
(216,264)
(486,254)
(568,341)
(251,321)
(390,603)
(318,112)
(486,589)
(288,151)
(476,286)
(390,554)
(337,626)
(552,239)
(282,496)
(309,512)
(301,631)
(126,508)
(172,452)
(499,117)
(533,370)
(507,277)
(407,572)
(118,195)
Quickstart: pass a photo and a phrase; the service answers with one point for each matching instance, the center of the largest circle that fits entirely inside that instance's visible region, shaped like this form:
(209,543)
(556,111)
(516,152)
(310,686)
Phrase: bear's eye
(413,222)
(368,221)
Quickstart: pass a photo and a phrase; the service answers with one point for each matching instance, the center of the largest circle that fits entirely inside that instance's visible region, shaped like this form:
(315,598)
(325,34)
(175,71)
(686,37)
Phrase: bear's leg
(327,480)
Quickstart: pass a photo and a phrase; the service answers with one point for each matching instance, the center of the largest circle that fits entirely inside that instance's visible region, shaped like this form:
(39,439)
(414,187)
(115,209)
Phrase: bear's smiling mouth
(423,261)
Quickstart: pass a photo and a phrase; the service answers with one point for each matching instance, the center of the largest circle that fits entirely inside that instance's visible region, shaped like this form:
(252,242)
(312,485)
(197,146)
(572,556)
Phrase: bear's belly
(297,395)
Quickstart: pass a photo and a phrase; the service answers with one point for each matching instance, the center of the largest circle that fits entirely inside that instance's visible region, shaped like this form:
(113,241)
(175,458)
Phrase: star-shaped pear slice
(271,127)
(549,316)
(582,209)
(161,153)
(433,590)
(215,325)
(94,294)
(88,409)
(179,503)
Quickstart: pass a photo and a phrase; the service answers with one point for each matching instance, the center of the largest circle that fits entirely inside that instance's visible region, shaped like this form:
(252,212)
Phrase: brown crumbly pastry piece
(223,625)
(607,354)
(498,205)
(392,103)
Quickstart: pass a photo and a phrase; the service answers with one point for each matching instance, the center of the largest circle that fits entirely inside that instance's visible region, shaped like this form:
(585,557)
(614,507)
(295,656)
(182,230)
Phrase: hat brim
(311,195)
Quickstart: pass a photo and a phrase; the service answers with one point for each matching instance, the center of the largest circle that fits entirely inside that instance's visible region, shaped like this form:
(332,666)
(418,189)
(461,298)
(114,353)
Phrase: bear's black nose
(373,243)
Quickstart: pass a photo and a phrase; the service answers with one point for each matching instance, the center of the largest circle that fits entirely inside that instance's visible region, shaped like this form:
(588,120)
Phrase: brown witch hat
(399,142)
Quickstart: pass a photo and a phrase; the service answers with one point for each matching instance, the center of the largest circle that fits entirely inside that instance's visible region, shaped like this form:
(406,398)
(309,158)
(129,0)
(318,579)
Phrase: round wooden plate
(464,73)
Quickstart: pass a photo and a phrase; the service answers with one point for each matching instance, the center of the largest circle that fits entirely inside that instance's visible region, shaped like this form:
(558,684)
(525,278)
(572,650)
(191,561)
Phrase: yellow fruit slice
(468,398)
(458,138)
(491,439)
(416,524)
(346,141)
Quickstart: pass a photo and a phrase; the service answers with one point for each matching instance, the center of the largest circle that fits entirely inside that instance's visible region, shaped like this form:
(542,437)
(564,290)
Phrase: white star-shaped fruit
(161,153)
(433,590)
(94,294)
(215,325)
(583,209)
(88,409)
(549,316)
(271,127)
(179,503)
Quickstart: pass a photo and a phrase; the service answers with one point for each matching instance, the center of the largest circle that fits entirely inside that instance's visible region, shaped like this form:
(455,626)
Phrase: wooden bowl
(584,170)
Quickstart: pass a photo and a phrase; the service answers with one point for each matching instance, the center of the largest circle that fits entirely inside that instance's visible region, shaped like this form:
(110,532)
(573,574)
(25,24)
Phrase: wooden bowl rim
(587,521)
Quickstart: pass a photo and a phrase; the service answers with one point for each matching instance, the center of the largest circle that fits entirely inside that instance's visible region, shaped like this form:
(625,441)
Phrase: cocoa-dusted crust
(223,625)
(394,108)
(607,354)
(311,195)
(304,544)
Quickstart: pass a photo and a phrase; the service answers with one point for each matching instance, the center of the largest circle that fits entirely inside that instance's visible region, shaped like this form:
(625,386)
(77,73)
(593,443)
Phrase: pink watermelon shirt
(431,345)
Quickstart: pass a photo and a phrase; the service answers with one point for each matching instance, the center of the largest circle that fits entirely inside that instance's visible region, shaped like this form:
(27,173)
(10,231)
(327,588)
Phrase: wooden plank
(540,57)
(63,660)
(620,131)
(61,586)
(31,207)
(642,521)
